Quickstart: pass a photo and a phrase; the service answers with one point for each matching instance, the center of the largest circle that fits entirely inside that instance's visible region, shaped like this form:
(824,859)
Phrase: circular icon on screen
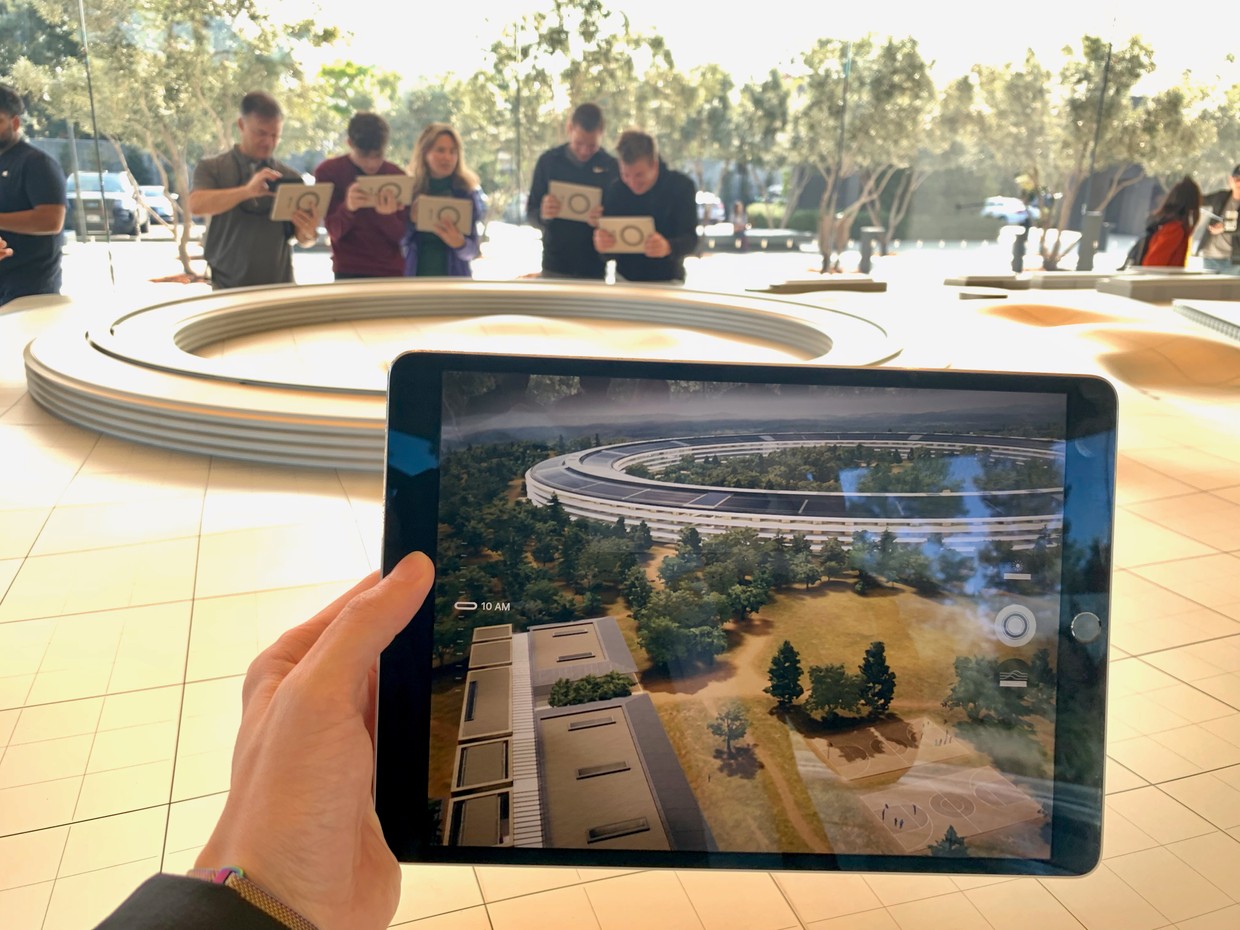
(1015,625)
(391,189)
(632,235)
(579,203)
(449,215)
(308,201)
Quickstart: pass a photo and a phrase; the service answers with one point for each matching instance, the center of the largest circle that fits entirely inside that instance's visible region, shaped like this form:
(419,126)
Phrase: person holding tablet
(298,843)
(1220,245)
(568,248)
(648,187)
(438,169)
(365,231)
(243,245)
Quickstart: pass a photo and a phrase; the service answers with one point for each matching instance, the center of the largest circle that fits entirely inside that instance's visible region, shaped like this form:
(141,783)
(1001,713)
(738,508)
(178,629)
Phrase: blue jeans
(1220,266)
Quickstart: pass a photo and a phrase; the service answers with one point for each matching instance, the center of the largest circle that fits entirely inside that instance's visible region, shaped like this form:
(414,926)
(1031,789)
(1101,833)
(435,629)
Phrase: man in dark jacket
(1220,246)
(568,249)
(648,187)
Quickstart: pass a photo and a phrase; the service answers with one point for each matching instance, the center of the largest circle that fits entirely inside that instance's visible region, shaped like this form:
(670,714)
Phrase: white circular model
(132,372)
(595,484)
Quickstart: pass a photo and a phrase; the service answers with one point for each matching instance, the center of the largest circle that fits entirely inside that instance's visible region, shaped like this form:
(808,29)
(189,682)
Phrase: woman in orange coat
(1173,224)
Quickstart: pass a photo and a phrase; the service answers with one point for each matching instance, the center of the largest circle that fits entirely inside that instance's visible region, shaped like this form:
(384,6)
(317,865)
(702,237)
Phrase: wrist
(235,878)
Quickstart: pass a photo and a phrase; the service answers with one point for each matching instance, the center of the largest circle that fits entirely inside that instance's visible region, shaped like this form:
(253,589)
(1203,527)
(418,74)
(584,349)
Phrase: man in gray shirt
(1220,246)
(244,246)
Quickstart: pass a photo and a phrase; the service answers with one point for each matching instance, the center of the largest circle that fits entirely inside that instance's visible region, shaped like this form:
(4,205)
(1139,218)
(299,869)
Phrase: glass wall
(945,136)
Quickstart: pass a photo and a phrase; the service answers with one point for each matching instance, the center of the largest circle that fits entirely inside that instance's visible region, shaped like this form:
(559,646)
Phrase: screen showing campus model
(716,616)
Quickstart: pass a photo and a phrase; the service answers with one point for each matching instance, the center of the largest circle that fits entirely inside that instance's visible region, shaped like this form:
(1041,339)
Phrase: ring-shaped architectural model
(595,483)
(134,374)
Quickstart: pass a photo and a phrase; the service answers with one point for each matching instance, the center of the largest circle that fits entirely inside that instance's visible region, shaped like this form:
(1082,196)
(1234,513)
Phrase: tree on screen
(641,538)
(785,675)
(590,688)
(636,588)
(879,681)
(834,558)
(833,690)
(952,844)
(730,724)
(805,569)
(977,694)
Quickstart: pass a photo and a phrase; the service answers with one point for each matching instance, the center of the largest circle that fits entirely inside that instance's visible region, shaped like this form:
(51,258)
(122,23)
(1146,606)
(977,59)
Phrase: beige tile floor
(137,585)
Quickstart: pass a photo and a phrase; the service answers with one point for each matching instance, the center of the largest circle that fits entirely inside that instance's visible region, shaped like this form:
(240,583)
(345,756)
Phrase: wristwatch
(232,877)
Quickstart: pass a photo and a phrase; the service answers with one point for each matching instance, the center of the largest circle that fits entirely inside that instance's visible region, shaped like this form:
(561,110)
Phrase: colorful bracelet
(232,877)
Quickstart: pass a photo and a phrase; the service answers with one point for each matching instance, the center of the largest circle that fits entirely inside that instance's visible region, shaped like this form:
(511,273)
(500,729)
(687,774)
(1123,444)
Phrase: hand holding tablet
(624,234)
(299,815)
(573,201)
(384,192)
(455,212)
(884,590)
(311,198)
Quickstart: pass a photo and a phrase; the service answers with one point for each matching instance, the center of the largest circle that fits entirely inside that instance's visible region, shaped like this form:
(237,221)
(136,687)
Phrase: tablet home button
(1086,627)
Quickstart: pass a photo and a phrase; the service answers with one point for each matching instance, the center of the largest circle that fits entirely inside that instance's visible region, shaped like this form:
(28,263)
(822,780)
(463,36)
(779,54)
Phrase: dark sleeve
(338,219)
(538,190)
(45,183)
(174,902)
(684,238)
(470,249)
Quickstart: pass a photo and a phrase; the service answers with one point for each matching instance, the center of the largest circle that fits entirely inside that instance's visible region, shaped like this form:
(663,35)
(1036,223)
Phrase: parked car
(158,201)
(1012,210)
(119,200)
(710,209)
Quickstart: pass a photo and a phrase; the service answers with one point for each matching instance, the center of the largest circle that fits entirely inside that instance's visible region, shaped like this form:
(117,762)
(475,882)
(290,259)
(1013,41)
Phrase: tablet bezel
(1089,481)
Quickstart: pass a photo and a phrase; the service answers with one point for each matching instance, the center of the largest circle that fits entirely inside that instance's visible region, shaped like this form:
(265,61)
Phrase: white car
(1012,210)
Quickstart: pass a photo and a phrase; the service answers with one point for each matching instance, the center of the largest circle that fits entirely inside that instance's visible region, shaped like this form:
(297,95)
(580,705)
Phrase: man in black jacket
(1220,244)
(648,187)
(568,250)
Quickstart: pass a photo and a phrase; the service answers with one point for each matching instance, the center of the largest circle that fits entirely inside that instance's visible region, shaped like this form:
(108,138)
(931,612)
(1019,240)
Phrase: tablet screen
(702,611)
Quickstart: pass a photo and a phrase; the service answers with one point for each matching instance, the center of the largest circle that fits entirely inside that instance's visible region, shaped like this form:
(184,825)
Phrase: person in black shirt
(648,187)
(568,247)
(32,208)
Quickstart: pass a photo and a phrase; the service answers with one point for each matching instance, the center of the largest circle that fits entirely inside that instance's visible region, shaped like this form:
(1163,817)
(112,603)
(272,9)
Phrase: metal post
(79,211)
(829,247)
(1085,261)
(517,113)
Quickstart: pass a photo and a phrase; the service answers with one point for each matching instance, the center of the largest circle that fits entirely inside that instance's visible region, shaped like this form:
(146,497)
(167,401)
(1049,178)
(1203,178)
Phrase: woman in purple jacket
(438,168)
